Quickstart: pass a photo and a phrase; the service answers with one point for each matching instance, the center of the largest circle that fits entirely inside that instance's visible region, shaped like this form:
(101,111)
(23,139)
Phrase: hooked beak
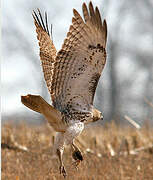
(102,118)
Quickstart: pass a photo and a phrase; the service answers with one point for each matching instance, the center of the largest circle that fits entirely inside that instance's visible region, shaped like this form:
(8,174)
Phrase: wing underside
(47,48)
(73,73)
(78,65)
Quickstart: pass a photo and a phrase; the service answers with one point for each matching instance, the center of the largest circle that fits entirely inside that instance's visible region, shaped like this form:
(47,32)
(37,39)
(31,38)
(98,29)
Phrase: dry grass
(110,153)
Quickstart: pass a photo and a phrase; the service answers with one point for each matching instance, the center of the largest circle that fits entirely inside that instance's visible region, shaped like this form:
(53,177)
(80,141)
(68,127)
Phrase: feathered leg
(59,148)
(72,132)
(61,168)
(67,138)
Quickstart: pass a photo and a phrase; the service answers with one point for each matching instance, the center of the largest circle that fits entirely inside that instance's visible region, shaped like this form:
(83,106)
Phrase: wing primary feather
(75,12)
(78,18)
(92,14)
(91,9)
(33,15)
(98,18)
(105,29)
(42,22)
(51,31)
(85,12)
(36,18)
(46,23)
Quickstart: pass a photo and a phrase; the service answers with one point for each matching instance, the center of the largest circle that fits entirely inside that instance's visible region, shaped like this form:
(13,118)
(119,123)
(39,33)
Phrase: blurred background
(126,84)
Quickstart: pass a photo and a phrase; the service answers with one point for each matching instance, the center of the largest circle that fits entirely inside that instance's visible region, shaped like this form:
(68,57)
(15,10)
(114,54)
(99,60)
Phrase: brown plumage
(71,75)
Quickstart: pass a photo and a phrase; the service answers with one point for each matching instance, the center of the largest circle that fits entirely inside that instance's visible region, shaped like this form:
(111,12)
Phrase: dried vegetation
(110,153)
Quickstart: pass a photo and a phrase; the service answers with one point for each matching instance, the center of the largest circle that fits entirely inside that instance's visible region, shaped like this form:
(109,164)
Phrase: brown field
(110,153)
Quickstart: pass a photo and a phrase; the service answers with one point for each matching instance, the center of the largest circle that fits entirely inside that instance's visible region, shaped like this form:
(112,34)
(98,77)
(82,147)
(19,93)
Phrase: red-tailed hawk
(71,76)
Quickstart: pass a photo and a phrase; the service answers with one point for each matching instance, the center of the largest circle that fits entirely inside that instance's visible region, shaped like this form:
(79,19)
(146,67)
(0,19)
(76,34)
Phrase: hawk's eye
(101,116)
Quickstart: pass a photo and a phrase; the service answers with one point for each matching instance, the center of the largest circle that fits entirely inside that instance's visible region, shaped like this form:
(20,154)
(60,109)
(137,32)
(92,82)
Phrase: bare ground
(110,153)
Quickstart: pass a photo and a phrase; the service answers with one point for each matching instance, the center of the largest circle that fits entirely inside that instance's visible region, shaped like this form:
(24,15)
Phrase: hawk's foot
(77,155)
(76,164)
(63,171)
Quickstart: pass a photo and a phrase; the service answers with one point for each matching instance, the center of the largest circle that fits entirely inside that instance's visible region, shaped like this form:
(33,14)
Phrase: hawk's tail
(38,104)
(33,102)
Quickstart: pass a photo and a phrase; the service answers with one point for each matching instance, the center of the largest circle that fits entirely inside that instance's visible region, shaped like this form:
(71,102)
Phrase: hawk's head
(97,115)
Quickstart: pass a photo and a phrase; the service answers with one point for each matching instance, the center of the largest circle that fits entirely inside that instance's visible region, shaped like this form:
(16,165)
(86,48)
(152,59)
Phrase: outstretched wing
(47,48)
(78,65)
